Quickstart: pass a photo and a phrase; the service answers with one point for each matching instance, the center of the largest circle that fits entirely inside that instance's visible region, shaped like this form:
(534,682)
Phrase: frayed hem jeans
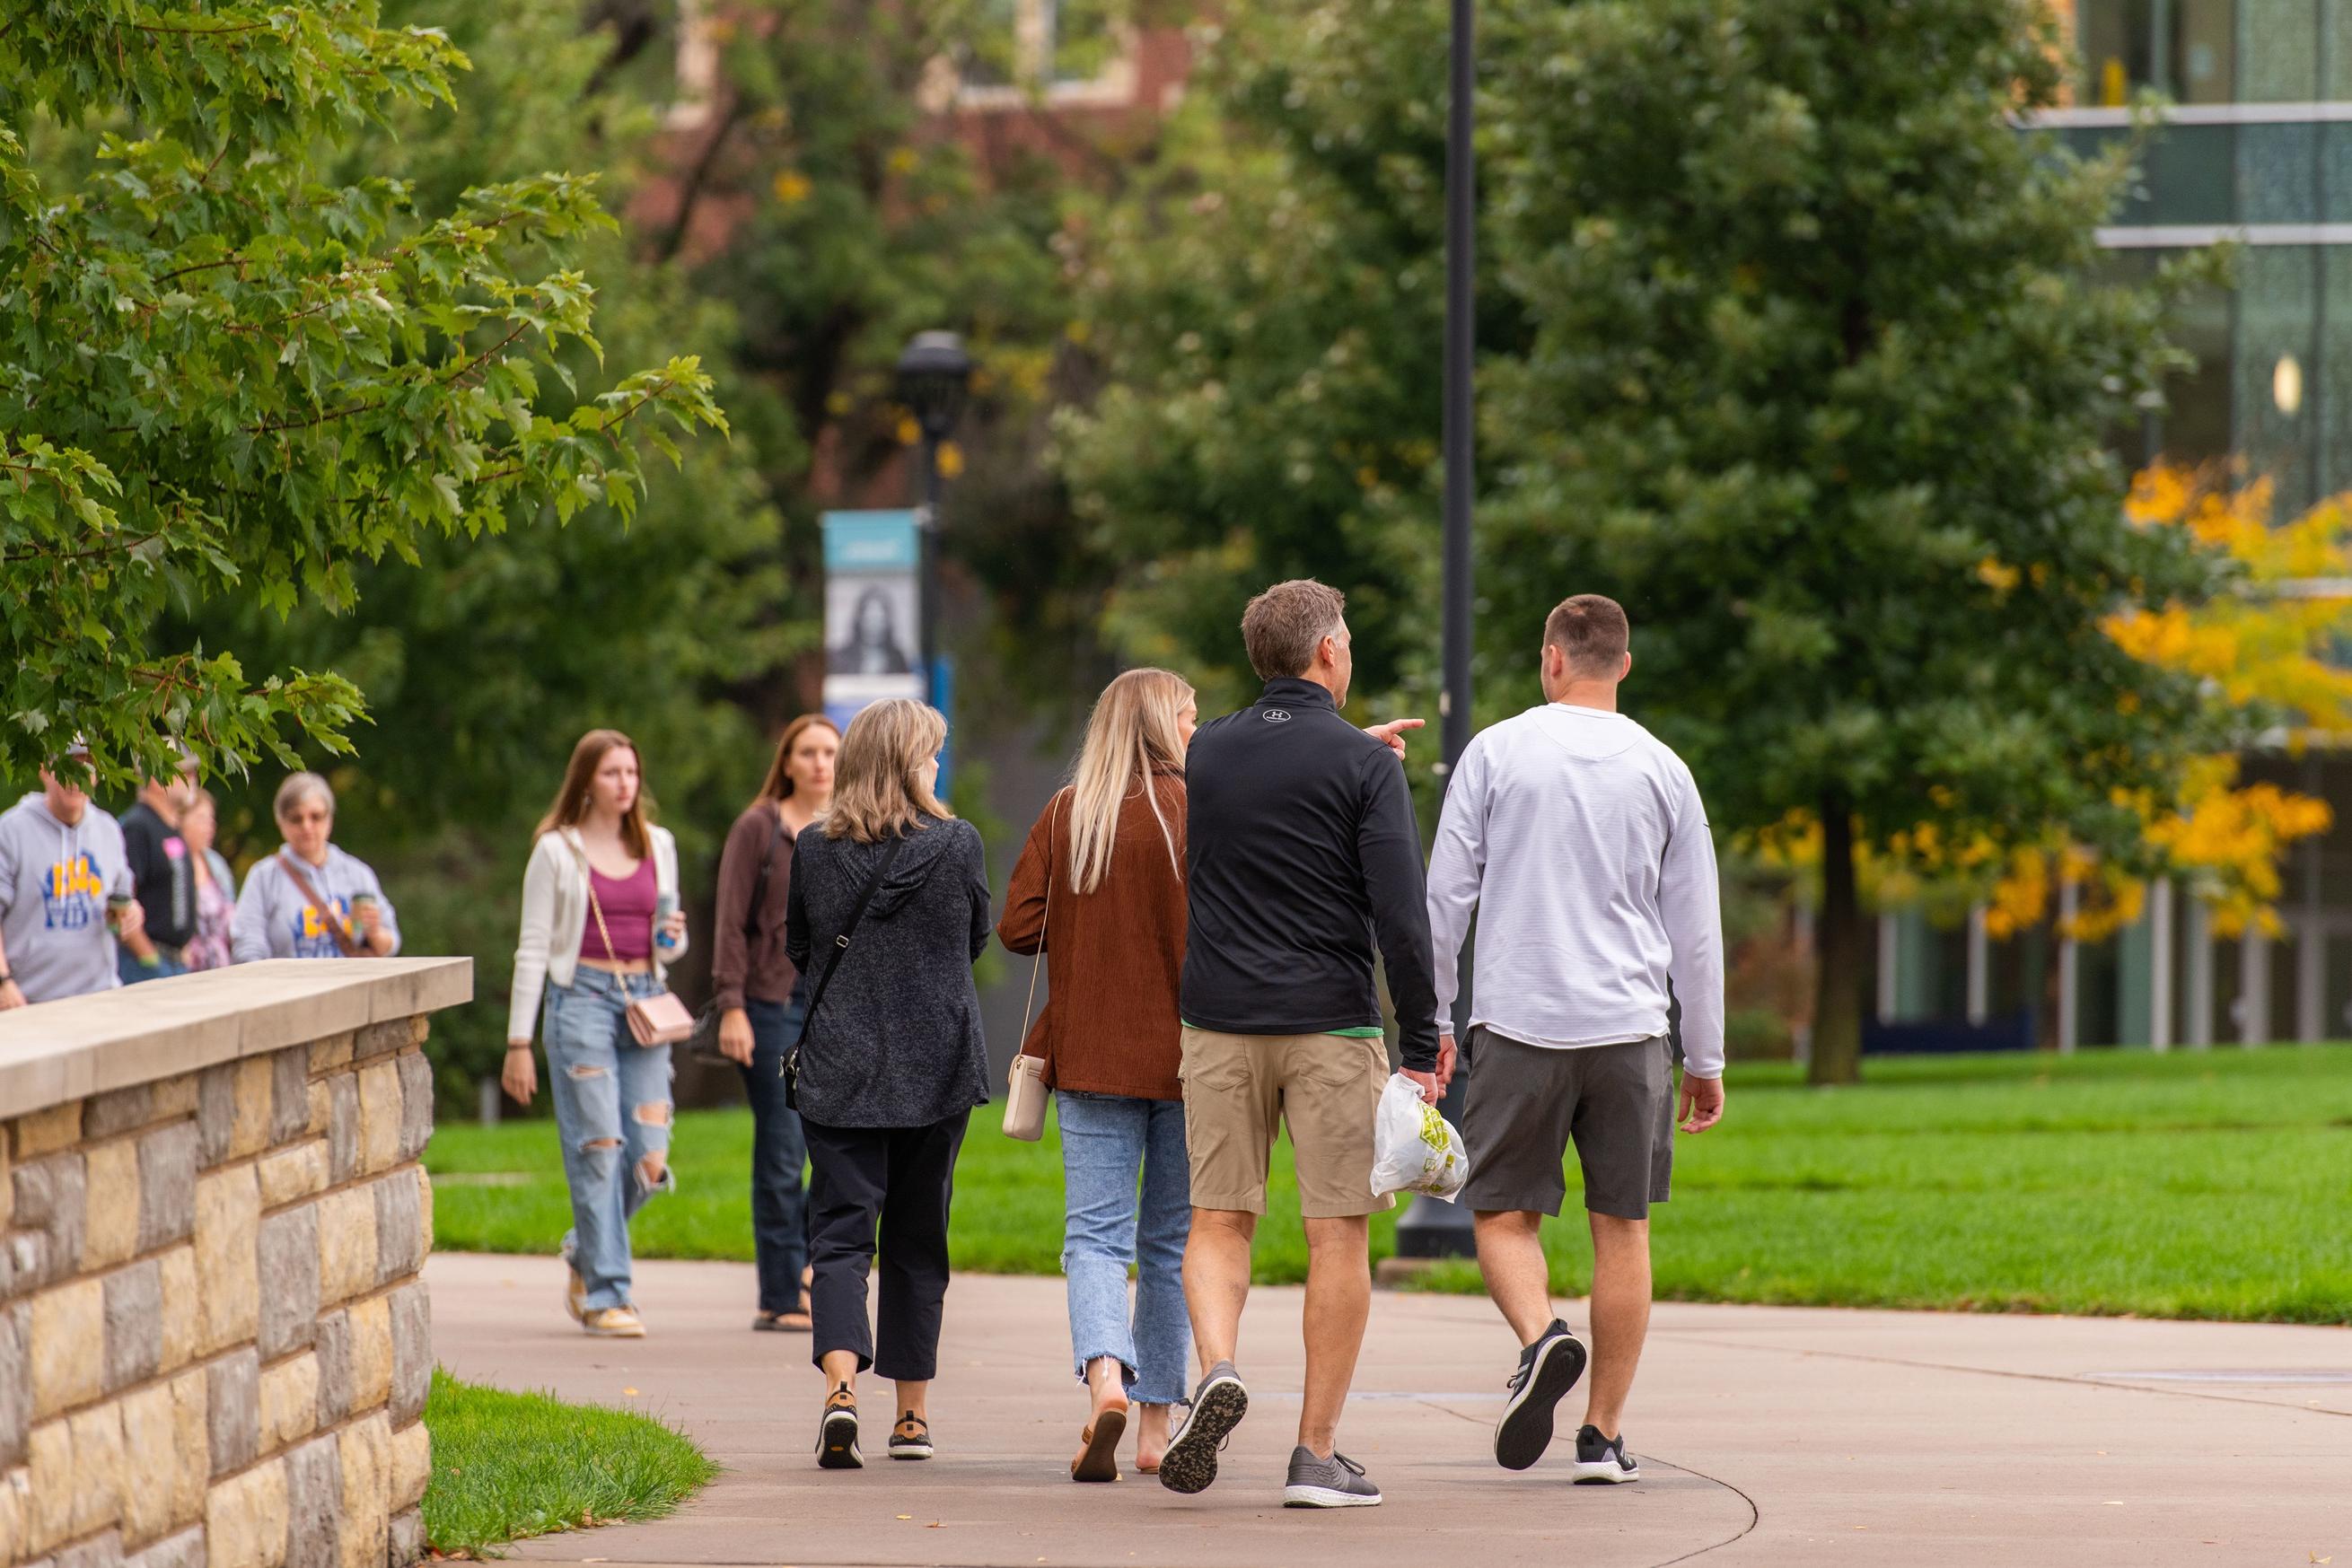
(613,1111)
(1108,1140)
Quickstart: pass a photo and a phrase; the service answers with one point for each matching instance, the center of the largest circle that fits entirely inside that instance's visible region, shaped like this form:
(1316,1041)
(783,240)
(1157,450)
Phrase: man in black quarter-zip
(1302,857)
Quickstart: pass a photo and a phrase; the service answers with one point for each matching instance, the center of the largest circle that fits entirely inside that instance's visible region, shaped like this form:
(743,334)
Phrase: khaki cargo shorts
(1238,1088)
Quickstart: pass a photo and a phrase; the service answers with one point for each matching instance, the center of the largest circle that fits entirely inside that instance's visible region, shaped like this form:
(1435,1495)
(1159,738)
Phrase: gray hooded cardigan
(898,1042)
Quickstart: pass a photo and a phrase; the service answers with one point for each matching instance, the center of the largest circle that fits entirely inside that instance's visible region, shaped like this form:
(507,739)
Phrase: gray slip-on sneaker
(1548,1369)
(1336,1483)
(1218,1406)
(1602,1460)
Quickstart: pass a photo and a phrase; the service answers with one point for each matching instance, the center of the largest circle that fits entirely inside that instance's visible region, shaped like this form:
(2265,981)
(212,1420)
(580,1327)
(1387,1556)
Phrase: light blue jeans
(613,1158)
(1106,1138)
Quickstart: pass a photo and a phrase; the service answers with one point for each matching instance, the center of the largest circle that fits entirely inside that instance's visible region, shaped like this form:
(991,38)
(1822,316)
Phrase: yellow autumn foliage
(2255,645)
(2228,838)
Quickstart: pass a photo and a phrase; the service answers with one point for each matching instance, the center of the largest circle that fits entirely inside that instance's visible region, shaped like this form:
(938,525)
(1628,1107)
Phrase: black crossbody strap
(759,883)
(849,928)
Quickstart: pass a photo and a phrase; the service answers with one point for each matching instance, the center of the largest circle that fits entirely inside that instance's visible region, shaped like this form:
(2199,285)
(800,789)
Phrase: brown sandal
(1098,1459)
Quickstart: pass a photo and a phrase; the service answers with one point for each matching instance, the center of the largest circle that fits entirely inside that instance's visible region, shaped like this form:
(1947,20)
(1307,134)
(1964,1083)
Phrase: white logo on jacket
(1278,715)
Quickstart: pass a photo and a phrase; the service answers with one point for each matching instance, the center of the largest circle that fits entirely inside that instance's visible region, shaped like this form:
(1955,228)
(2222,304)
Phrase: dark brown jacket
(1113,957)
(757,968)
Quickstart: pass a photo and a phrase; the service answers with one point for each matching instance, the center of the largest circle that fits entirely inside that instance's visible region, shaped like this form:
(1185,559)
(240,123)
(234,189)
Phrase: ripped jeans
(613,1112)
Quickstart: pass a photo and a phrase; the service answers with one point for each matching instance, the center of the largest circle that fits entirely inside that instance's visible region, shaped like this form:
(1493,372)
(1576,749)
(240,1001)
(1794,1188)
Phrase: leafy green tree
(1265,306)
(484,661)
(1818,389)
(223,371)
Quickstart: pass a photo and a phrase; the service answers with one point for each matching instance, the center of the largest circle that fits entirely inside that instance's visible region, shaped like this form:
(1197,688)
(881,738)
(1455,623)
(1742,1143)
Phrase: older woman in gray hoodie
(311,900)
(891,1059)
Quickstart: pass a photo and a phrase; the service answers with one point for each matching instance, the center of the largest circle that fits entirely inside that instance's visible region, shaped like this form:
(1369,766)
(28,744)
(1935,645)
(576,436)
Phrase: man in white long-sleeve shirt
(1580,839)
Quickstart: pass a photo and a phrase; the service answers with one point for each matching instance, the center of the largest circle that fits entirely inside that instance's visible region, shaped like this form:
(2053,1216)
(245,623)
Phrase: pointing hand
(1392,733)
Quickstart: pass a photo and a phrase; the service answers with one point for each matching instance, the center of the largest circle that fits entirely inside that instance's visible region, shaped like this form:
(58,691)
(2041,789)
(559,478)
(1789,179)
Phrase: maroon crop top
(628,905)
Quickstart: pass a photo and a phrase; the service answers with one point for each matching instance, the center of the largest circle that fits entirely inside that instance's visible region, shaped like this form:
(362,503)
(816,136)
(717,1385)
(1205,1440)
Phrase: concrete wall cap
(138,1034)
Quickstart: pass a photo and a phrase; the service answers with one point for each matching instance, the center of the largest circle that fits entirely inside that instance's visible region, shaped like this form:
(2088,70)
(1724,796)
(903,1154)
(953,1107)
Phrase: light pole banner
(872,630)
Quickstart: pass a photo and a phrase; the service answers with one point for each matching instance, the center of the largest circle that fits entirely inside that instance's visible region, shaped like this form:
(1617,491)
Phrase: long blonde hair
(1132,738)
(571,805)
(878,785)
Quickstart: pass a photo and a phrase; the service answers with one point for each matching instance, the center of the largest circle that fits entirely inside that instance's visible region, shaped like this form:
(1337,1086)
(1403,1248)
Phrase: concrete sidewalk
(1766,1435)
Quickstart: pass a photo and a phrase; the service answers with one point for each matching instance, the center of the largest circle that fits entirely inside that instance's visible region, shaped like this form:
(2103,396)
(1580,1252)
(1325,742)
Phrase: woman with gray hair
(311,900)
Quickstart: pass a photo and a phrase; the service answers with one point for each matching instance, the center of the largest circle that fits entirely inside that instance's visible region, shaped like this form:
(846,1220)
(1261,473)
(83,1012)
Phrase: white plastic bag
(1415,1149)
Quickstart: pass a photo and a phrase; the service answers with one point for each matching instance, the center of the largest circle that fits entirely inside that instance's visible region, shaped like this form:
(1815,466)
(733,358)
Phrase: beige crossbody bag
(1025,1088)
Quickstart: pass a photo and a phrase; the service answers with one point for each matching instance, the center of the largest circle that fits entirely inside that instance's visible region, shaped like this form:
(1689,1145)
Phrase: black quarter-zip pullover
(1302,856)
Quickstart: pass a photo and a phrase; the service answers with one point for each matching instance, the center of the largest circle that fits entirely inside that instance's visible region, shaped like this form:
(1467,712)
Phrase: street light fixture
(934,379)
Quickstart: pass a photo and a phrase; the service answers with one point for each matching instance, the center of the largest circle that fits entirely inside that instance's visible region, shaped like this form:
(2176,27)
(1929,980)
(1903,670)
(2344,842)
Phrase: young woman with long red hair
(760,997)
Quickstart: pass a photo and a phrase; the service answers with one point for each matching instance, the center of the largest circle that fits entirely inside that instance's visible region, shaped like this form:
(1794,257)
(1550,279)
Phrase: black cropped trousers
(885,1189)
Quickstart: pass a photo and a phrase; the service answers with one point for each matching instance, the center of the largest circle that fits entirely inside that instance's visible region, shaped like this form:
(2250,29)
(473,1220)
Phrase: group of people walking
(88,902)
(1208,905)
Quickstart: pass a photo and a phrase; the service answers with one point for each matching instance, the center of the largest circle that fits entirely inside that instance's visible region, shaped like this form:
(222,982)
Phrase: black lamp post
(1429,1228)
(934,377)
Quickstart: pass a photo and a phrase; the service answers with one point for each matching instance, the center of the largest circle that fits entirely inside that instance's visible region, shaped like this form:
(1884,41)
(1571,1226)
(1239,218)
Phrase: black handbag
(792,1066)
(704,1041)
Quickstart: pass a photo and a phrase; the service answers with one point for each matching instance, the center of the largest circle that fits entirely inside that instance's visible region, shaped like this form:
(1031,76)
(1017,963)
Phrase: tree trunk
(1837,996)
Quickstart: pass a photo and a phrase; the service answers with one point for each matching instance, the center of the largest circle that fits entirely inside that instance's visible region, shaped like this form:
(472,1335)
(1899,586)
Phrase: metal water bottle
(664,905)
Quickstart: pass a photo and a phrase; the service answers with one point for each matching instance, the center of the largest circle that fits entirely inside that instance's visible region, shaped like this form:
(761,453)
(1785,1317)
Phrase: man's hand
(735,1040)
(1433,1085)
(130,922)
(11,998)
(370,915)
(519,1076)
(1392,734)
(1702,1103)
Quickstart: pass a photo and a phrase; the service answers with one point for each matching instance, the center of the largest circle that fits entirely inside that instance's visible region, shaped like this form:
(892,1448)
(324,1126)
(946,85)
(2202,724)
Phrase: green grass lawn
(508,1466)
(2207,1183)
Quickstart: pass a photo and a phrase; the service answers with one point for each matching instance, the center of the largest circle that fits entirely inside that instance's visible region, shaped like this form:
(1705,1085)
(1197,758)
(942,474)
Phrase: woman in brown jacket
(1099,891)
(762,1001)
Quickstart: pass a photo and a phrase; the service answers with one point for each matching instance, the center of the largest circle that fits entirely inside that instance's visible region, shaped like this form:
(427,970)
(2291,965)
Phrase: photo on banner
(873,626)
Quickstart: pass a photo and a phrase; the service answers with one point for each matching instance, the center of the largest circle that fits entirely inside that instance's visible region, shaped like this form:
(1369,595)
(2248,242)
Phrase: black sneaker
(1602,1460)
(1336,1483)
(836,1435)
(911,1437)
(1218,1406)
(1548,1370)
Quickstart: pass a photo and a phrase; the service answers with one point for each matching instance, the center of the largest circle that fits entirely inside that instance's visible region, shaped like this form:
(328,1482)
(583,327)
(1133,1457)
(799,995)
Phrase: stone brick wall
(215,1347)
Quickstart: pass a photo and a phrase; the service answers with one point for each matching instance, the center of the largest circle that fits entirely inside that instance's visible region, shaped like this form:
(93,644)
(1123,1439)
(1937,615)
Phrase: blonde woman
(890,1061)
(595,937)
(1100,890)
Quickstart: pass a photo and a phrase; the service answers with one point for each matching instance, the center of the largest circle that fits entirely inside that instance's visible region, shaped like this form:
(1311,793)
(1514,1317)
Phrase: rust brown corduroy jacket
(1113,957)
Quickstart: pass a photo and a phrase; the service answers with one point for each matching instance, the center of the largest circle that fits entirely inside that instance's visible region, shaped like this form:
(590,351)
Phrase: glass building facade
(2255,147)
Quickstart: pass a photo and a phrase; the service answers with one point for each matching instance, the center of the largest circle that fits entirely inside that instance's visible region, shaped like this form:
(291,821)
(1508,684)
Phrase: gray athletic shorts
(1526,1103)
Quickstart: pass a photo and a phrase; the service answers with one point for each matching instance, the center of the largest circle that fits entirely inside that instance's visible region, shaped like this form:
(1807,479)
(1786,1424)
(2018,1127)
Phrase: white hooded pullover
(54,881)
(1580,839)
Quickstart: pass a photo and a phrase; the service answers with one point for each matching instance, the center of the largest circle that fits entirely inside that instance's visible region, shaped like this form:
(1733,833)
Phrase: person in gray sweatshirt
(65,890)
(311,900)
